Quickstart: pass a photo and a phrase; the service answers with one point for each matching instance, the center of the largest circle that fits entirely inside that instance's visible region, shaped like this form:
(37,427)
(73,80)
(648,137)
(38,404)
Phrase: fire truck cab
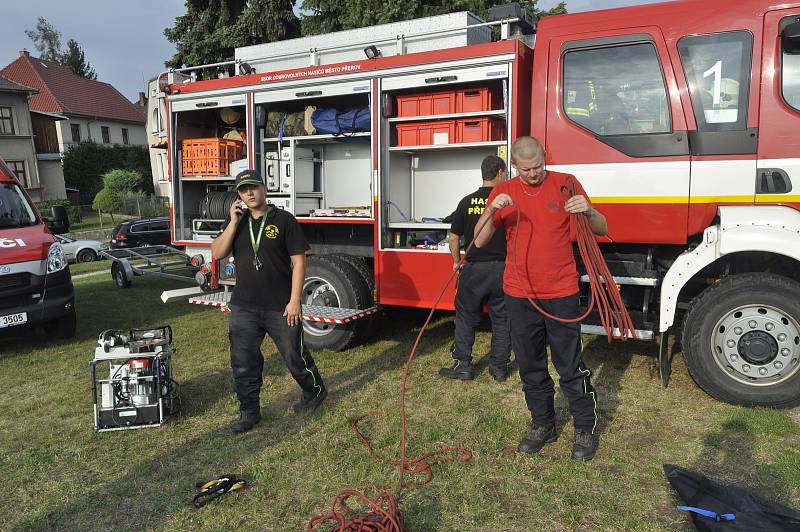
(679,119)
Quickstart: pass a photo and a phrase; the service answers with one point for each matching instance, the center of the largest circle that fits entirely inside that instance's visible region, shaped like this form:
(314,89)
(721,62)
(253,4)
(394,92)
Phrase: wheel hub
(319,292)
(758,347)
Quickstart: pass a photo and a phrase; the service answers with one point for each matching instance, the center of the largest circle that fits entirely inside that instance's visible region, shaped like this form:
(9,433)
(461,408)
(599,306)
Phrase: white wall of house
(51,176)
(19,147)
(93,130)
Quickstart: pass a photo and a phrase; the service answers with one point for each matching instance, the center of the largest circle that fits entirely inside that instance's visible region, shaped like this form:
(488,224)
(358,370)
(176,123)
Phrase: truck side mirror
(790,39)
(59,222)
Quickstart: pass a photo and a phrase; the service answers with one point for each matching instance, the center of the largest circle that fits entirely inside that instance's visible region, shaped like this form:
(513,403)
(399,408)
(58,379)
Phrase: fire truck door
(616,123)
(718,69)
(778,175)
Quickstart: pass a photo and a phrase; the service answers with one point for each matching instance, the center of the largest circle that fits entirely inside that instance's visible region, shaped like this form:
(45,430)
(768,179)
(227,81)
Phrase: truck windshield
(14,208)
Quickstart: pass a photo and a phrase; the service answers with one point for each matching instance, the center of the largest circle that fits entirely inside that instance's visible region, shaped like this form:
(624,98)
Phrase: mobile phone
(243,205)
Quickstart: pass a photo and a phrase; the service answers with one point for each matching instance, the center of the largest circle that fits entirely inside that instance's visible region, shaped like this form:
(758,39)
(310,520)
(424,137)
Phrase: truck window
(14,208)
(790,72)
(717,68)
(617,90)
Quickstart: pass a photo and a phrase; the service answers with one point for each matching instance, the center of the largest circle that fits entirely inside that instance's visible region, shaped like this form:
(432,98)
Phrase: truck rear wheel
(332,282)
(741,340)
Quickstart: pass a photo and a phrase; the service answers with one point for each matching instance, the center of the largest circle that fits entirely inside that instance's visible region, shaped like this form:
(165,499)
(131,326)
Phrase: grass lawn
(88,267)
(95,221)
(59,474)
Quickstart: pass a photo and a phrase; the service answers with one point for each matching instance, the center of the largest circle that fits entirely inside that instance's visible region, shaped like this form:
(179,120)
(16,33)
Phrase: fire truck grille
(14,280)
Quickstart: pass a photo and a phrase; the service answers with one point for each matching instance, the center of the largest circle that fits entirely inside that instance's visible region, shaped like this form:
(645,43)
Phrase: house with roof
(28,142)
(94,110)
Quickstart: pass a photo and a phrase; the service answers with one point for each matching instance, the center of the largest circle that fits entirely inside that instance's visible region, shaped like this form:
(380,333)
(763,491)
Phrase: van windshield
(14,208)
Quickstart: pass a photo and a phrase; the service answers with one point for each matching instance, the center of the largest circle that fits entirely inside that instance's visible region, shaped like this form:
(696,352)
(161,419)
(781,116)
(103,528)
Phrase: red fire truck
(680,119)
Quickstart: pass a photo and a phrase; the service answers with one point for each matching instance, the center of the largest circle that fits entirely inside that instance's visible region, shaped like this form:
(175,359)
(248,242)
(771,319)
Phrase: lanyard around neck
(256,242)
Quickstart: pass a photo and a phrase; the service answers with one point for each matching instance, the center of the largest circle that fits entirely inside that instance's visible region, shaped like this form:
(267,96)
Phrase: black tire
(86,255)
(331,281)
(367,275)
(62,328)
(118,274)
(741,340)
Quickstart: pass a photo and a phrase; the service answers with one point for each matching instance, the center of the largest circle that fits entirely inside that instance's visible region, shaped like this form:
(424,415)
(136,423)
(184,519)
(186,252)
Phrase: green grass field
(59,474)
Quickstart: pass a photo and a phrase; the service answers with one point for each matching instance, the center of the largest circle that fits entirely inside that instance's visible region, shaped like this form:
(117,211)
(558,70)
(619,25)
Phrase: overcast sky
(124,40)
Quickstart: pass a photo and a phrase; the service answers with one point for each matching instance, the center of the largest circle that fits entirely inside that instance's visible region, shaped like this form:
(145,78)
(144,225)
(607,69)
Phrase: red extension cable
(381,513)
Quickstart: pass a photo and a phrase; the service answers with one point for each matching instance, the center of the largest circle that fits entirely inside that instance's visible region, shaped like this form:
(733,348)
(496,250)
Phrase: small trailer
(162,261)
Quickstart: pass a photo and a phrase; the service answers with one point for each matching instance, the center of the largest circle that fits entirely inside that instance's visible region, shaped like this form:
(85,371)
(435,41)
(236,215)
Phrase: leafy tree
(211,29)
(107,201)
(75,60)
(46,39)
(85,164)
(122,181)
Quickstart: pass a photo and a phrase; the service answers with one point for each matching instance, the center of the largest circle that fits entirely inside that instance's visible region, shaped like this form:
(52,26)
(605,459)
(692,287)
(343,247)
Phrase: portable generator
(139,391)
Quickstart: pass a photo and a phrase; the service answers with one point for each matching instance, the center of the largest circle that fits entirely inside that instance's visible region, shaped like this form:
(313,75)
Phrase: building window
(617,90)
(18,167)
(6,121)
(106,135)
(75,129)
(125,135)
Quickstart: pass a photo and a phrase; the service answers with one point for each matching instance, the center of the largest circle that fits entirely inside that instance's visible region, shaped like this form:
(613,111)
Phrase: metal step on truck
(679,119)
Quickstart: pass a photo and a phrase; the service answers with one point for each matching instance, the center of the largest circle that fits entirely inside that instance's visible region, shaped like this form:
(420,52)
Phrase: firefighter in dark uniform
(270,251)
(480,279)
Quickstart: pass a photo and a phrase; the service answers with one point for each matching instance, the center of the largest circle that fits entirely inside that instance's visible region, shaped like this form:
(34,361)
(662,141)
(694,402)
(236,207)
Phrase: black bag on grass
(714,506)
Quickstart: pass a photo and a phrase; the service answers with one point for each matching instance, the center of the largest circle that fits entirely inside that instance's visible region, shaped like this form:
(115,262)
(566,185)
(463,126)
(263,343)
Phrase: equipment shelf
(322,138)
(463,145)
(500,112)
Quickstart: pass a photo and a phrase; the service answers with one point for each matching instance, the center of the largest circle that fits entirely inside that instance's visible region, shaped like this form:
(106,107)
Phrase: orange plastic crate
(209,156)
(426,104)
(426,133)
(483,129)
(478,99)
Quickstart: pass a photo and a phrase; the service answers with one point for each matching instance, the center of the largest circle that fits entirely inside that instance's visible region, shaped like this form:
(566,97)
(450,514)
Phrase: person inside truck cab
(534,211)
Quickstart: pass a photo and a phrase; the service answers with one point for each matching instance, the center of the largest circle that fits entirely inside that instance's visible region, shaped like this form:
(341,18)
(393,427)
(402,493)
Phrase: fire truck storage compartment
(306,173)
(434,159)
(209,138)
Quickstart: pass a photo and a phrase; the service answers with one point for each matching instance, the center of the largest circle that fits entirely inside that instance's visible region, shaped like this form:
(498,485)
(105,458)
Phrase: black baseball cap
(248,177)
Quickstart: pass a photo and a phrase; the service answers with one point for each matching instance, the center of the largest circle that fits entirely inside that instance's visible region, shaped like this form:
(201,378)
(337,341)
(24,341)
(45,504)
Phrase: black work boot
(585,446)
(306,404)
(246,421)
(536,438)
(461,370)
(499,374)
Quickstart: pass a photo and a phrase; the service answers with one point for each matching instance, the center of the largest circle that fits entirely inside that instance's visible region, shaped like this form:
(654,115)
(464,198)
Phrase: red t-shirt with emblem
(543,258)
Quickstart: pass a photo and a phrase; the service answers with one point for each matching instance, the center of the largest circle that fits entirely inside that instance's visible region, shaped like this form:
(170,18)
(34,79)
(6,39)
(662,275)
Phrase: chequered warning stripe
(332,315)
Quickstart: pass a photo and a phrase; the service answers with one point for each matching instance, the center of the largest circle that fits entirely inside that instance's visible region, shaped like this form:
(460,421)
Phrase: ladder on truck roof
(331,315)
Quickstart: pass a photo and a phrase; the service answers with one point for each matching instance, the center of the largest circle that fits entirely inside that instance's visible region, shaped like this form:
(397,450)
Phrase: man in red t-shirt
(534,209)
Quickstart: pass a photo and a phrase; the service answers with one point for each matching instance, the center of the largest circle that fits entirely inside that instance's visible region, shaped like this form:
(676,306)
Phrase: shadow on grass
(166,483)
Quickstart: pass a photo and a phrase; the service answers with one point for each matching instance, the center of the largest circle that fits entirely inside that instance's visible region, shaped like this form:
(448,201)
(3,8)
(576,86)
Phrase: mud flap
(664,359)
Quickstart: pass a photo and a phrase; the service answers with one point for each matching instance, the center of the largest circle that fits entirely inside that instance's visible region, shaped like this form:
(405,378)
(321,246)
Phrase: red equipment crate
(209,157)
(478,99)
(427,104)
(483,129)
(426,133)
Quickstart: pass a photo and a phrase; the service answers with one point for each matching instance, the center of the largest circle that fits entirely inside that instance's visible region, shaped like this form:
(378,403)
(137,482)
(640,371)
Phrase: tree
(85,164)
(46,39)
(75,60)
(122,181)
(211,29)
(333,15)
(107,201)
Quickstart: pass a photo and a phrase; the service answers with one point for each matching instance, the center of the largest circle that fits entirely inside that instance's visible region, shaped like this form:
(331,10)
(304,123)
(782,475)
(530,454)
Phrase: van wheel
(332,282)
(741,340)
(61,328)
(86,255)
(118,274)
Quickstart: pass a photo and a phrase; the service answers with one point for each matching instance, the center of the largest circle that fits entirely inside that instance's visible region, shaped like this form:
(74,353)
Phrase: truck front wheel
(741,340)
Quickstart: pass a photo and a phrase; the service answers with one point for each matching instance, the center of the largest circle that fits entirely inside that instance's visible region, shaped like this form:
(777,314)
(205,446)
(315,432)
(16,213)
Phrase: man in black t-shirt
(480,279)
(269,249)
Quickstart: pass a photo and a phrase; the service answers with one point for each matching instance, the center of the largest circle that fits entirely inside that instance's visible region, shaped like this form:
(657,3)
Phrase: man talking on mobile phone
(269,249)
